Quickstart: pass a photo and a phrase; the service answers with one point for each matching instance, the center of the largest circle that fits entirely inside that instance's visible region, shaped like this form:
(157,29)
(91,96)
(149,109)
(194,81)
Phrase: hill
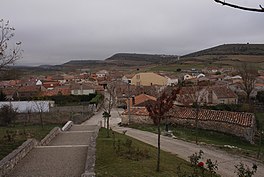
(145,58)
(230,49)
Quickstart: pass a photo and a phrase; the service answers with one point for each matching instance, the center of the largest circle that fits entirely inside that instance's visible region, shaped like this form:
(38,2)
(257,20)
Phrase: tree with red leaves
(157,110)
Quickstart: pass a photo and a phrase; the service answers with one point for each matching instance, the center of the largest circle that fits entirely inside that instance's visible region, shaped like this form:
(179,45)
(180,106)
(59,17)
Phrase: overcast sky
(56,31)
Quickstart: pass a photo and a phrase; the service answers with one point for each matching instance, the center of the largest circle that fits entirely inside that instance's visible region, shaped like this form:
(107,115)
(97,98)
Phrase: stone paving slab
(52,162)
(83,128)
(74,138)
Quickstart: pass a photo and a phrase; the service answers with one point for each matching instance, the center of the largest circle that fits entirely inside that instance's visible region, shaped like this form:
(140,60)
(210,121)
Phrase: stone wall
(91,155)
(241,131)
(234,129)
(136,119)
(8,163)
(52,134)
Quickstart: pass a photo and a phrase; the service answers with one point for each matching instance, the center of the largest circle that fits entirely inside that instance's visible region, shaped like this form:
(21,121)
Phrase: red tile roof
(138,111)
(223,92)
(29,89)
(239,118)
(139,99)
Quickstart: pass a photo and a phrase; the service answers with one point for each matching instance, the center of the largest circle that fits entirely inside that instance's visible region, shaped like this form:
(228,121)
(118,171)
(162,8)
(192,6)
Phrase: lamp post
(128,107)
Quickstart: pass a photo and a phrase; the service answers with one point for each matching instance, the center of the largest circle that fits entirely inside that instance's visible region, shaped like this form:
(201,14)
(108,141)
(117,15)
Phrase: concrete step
(52,162)
(71,138)
(83,128)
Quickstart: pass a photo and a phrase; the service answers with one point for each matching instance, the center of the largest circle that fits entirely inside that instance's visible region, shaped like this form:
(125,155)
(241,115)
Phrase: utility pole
(129,114)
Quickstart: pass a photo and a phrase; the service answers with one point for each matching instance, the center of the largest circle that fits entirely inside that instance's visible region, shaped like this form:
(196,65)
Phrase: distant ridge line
(230,49)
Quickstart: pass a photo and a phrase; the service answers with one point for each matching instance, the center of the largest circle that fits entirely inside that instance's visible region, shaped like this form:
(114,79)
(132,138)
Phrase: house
(127,78)
(50,85)
(84,88)
(148,79)
(102,74)
(209,95)
(141,100)
(188,77)
(138,111)
(223,95)
(211,70)
(60,90)
(172,80)
(28,92)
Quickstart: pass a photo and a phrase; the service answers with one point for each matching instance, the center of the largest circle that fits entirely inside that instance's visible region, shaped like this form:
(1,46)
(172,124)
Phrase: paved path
(184,149)
(64,156)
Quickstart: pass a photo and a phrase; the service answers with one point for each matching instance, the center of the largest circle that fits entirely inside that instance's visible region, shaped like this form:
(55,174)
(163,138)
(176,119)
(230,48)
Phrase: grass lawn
(209,137)
(21,134)
(260,118)
(111,164)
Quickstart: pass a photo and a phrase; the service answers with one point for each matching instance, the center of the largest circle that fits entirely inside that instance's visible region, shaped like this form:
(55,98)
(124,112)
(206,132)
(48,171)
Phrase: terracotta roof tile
(223,92)
(139,99)
(239,118)
(138,111)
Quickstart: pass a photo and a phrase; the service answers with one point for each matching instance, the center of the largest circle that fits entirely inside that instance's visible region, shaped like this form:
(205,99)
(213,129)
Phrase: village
(131,88)
(208,87)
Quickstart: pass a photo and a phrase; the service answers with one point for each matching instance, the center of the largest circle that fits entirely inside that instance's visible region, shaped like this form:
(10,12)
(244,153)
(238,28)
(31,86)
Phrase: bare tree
(194,96)
(260,9)
(41,107)
(8,55)
(248,74)
(157,110)
(108,104)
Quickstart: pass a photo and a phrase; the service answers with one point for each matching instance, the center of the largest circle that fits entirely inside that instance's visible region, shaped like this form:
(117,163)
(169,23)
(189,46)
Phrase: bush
(63,100)
(7,115)
(260,96)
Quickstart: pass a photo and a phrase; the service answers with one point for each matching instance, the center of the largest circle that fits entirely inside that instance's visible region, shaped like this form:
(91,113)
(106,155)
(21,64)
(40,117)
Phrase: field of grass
(210,137)
(260,119)
(21,134)
(110,164)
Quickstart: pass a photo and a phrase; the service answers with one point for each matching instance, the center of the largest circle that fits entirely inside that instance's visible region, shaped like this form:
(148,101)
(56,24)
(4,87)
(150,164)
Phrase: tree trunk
(158,159)
(107,124)
(259,149)
(41,121)
(196,124)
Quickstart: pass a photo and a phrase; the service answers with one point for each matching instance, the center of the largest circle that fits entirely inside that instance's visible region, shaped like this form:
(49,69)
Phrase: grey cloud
(56,31)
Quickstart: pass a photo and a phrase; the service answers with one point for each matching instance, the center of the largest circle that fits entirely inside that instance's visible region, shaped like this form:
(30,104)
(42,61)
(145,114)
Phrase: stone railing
(52,134)
(8,163)
(67,126)
(91,156)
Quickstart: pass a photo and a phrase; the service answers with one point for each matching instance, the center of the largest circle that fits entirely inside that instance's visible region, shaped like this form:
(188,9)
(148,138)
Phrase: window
(138,76)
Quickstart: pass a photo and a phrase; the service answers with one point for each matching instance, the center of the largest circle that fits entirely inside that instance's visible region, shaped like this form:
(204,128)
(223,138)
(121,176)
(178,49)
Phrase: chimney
(133,100)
